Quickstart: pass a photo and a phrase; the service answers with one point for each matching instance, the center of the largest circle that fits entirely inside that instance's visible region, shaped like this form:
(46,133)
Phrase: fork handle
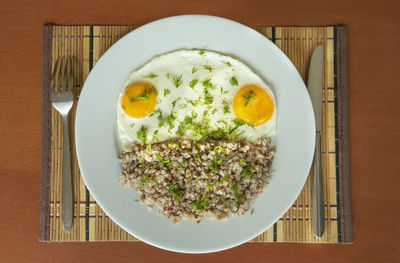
(66,198)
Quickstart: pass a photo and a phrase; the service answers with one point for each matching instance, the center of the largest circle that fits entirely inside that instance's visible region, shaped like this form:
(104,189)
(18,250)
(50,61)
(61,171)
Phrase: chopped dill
(226,107)
(151,76)
(248,96)
(141,134)
(209,68)
(193,83)
(233,81)
(177,81)
(176,192)
(201,204)
(238,196)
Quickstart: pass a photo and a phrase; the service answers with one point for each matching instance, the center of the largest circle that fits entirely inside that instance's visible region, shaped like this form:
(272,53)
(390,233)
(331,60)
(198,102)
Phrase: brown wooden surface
(374,54)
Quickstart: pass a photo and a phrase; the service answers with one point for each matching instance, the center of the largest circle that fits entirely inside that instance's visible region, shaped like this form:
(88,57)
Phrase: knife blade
(315,88)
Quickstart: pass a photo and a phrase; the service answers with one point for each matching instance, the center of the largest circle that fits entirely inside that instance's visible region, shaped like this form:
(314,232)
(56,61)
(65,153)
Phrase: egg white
(183,62)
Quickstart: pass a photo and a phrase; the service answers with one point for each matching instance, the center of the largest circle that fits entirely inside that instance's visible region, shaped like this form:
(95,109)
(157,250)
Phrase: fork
(62,98)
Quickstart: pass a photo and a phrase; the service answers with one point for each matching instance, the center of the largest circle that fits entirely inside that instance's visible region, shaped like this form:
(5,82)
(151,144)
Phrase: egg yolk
(252,104)
(139,99)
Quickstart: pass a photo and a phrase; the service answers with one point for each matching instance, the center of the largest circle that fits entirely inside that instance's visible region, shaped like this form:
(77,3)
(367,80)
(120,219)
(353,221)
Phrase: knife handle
(318,205)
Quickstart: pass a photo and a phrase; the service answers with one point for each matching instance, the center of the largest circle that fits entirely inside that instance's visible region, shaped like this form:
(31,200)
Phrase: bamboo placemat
(88,43)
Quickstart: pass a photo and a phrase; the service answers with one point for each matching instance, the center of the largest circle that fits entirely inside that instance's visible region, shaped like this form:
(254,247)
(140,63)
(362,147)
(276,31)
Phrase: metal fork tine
(60,74)
(56,69)
(71,75)
(65,75)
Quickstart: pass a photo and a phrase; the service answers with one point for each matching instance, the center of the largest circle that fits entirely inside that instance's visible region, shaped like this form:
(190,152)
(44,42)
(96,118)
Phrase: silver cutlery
(315,88)
(62,98)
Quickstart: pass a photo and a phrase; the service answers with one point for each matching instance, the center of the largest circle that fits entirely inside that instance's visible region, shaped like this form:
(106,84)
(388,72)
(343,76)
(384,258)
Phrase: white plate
(97,146)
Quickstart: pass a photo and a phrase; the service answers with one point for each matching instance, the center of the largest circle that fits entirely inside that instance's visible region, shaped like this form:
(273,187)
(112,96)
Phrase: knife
(315,87)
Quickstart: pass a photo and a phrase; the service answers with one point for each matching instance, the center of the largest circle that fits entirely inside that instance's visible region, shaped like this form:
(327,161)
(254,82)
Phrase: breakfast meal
(195,130)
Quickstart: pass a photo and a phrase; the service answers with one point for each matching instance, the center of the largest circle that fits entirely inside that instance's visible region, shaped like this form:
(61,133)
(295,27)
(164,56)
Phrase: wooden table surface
(374,65)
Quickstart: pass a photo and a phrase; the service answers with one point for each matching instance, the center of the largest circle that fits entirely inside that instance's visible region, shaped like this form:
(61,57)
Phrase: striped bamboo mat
(88,43)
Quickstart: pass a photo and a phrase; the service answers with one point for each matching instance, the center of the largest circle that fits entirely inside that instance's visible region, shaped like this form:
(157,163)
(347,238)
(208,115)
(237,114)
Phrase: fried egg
(194,94)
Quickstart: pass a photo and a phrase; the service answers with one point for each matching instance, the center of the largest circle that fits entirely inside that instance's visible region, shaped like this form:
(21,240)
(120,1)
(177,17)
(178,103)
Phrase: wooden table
(374,60)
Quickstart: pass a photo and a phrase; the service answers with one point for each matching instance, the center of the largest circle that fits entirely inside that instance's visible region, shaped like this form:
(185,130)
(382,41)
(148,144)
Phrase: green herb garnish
(181,130)
(208,98)
(247,170)
(194,70)
(175,101)
(141,134)
(209,68)
(180,166)
(193,83)
(170,120)
(211,186)
(155,112)
(198,158)
(151,76)
(233,81)
(145,179)
(131,125)
(224,201)
(248,96)
(194,103)
(122,106)
(228,64)
(204,131)
(155,135)
(216,163)
(166,161)
(237,124)
(226,107)
(208,85)
(177,81)
(201,52)
(224,178)
(242,162)
(186,124)
(145,95)
(201,204)
(174,146)
(176,192)
(220,149)
(238,196)
(166,92)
